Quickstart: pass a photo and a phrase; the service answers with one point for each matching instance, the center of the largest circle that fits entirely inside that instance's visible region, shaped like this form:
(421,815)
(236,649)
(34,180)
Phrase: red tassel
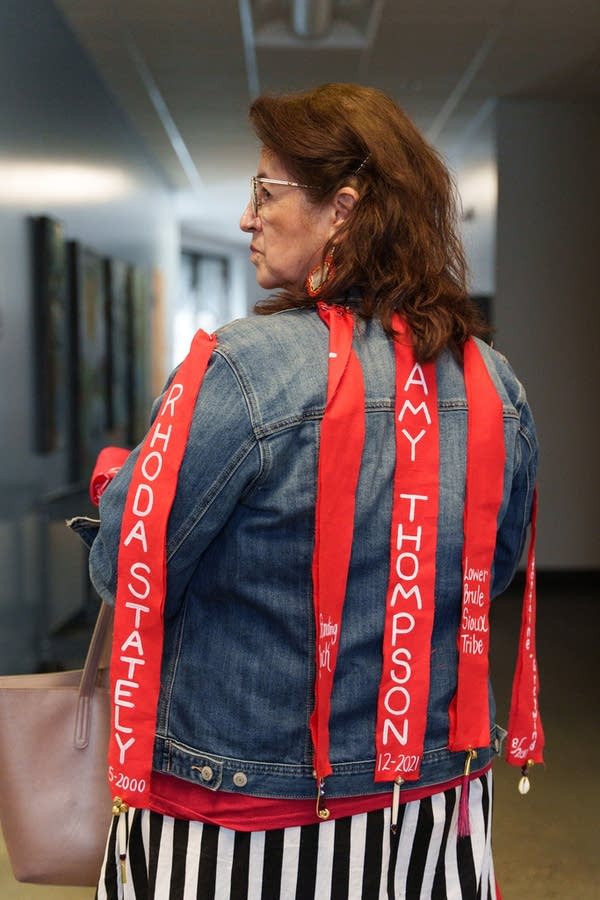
(464,825)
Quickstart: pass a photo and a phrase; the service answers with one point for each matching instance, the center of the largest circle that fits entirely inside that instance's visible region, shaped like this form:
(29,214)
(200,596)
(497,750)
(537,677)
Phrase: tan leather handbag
(55,805)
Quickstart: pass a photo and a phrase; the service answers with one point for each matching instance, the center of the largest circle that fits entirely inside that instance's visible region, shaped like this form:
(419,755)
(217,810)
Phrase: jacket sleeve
(221,462)
(513,528)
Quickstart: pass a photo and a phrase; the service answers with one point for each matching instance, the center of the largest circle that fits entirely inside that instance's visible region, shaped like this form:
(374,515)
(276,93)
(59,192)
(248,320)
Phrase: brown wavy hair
(399,249)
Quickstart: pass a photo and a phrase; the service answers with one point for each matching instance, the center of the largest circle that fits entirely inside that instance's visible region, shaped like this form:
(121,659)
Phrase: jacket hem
(296,781)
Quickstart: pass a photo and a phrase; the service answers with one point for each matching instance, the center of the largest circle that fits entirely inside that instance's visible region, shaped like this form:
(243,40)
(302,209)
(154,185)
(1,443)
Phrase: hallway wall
(55,110)
(547,306)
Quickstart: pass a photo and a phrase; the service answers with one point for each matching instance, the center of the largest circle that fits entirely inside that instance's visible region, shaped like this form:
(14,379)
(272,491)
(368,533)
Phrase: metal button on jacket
(206,773)
(240,779)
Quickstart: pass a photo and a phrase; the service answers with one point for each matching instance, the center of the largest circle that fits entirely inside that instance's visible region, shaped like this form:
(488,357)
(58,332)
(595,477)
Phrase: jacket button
(206,773)
(240,779)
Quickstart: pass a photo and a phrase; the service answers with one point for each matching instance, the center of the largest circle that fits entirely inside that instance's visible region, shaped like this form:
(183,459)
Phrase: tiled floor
(547,843)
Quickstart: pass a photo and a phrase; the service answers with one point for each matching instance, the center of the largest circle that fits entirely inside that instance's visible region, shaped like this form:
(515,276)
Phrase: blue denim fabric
(238,666)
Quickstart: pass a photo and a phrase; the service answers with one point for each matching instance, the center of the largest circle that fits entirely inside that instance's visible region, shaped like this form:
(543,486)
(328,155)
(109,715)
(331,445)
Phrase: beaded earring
(317,277)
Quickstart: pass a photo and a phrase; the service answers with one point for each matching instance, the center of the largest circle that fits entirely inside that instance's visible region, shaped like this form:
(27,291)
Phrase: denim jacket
(237,685)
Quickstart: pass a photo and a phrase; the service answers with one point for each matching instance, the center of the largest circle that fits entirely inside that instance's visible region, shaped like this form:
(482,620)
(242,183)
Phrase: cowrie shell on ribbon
(524,785)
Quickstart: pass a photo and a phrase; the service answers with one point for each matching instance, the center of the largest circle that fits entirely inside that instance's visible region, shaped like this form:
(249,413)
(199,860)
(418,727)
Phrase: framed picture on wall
(139,312)
(117,364)
(89,359)
(158,320)
(50,335)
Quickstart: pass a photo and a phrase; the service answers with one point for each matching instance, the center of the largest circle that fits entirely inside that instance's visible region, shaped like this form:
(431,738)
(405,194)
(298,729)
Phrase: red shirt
(182,800)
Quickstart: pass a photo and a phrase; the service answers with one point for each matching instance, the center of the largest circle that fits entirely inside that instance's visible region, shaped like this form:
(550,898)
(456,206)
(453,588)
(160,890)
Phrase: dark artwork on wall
(118,414)
(92,354)
(51,335)
(139,302)
(89,359)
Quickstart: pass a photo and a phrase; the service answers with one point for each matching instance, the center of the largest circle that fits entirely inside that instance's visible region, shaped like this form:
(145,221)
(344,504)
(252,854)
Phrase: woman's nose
(249,222)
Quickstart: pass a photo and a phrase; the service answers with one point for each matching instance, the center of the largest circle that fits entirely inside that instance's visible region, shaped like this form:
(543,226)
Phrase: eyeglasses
(255,180)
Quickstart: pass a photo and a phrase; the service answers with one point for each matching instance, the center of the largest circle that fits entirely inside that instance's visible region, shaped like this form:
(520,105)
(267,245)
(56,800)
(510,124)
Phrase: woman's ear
(343,204)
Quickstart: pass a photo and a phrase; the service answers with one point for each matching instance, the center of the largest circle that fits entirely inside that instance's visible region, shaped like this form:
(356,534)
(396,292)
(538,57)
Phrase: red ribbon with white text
(141,581)
(525,742)
(410,604)
(469,709)
(340,451)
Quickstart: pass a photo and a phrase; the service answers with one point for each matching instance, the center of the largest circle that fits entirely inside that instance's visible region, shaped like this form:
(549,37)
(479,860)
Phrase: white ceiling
(185,71)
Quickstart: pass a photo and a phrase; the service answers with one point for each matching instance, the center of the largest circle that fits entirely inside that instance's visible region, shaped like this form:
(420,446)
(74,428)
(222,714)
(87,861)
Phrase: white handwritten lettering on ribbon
(406,598)
(522,747)
(474,622)
(132,658)
(535,712)
(328,632)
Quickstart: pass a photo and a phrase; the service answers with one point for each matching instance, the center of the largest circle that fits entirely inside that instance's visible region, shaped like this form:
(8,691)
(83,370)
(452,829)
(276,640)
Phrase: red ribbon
(340,451)
(469,709)
(141,581)
(109,461)
(410,604)
(525,742)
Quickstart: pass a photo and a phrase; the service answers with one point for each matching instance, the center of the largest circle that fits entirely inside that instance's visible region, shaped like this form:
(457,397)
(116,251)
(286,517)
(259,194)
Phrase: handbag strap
(89,675)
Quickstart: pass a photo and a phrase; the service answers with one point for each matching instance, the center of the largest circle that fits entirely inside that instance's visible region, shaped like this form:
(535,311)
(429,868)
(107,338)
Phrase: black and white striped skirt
(353,858)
